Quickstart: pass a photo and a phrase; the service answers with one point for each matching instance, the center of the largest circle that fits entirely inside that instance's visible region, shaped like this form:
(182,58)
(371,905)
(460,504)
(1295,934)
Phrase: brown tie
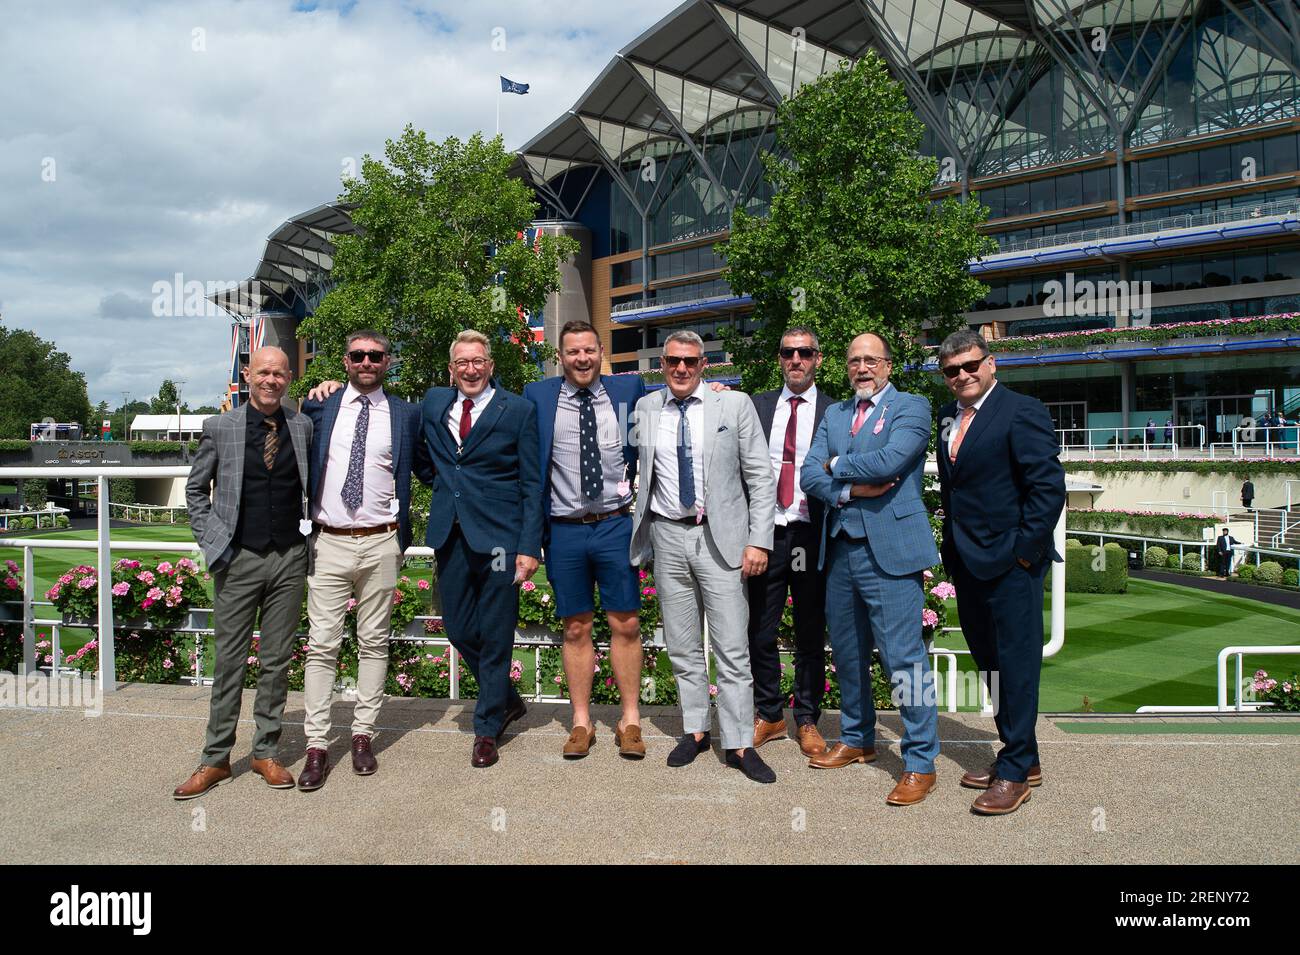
(966,415)
(272,443)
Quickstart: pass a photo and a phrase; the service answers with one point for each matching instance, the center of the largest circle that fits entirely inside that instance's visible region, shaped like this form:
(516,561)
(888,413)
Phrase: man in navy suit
(364,445)
(1003,491)
(485,524)
(866,465)
(790,416)
(588,468)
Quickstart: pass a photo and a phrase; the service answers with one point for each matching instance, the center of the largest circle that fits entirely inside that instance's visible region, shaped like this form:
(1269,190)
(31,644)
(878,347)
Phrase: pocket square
(721,428)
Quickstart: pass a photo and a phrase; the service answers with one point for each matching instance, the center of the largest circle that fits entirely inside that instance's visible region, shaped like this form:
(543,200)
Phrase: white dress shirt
(457,406)
(846,491)
(956,423)
(798,509)
(378,506)
(665,498)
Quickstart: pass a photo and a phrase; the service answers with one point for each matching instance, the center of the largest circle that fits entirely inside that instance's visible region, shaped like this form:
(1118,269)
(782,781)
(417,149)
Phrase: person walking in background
(1223,548)
(1003,491)
(1247,494)
(246,493)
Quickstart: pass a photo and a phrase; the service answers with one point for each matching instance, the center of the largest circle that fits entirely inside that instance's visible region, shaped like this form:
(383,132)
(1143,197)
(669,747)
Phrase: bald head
(268,376)
(870,362)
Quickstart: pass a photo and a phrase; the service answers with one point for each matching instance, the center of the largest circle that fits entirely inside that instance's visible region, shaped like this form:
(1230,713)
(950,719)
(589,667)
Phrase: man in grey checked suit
(704,512)
(866,464)
(246,495)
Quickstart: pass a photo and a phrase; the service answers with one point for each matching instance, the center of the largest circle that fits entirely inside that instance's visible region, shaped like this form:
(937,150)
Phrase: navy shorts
(581,556)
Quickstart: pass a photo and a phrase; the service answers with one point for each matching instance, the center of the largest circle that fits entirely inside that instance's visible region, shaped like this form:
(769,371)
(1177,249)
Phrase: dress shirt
(846,491)
(567,499)
(798,509)
(457,406)
(665,498)
(378,505)
(956,422)
(270,501)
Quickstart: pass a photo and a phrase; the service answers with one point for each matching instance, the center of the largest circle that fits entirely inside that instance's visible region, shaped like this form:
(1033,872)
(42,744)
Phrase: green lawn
(1155,645)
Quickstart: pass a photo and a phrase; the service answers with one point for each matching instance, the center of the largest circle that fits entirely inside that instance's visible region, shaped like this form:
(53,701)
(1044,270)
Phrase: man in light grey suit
(246,494)
(866,464)
(704,512)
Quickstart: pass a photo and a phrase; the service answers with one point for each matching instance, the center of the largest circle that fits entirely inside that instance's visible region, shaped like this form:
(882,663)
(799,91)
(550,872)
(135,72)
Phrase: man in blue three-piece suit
(866,464)
(365,446)
(588,467)
(1003,490)
(485,524)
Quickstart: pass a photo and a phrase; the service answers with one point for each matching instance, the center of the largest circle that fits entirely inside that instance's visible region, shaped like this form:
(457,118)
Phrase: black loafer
(484,753)
(752,765)
(687,748)
(512,714)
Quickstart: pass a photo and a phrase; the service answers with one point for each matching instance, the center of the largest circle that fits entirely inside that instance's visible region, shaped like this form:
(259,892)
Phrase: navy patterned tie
(685,463)
(593,478)
(355,481)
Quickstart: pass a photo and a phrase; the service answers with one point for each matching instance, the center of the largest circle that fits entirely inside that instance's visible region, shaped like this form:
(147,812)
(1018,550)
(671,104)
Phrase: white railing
(1115,440)
(1260,553)
(1218,508)
(45,517)
(142,513)
(1247,442)
(1240,704)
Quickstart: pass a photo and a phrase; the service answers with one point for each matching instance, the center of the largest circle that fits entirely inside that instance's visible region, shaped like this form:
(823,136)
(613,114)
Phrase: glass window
(622,366)
(625,339)
(1216,165)
(1183,171)
(1016,199)
(1096,185)
(1069,191)
(995,200)
(1153,176)
(1251,266)
(1042,195)
(1279,155)
(1157,273)
(1218,270)
(1283,264)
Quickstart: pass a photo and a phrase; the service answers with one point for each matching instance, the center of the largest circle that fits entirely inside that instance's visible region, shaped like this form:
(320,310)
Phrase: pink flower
(528,586)
(713,689)
(65,579)
(559,679)
(789,601)
(186,564)
(85,583)
(12,583)
(928,575)
(944,590)
(648,592)
(609,681)
(352,604)
(252,661)
(155,593)
(121,589)
(641,575)
(145,578)
(425,585)
(49,658)
(165,567)
(929,618)
(397,596)
(52,593)
(167,663)
(546,598)
(13,568)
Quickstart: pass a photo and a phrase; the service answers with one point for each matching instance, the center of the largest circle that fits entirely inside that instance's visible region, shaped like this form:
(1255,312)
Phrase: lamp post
(126,398)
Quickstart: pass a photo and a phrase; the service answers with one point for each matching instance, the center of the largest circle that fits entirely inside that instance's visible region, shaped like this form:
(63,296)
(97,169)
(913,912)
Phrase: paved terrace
(77,789)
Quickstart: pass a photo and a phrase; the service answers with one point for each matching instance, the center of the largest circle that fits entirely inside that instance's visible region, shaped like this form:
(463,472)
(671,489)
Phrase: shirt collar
(484,396)
(351,394)
(810,396)
(983,398)
(570,389)
(696,395)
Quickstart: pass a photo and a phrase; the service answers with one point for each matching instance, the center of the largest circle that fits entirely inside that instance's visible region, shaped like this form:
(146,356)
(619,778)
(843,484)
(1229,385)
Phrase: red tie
(785,486)
(864,405)
(465,420)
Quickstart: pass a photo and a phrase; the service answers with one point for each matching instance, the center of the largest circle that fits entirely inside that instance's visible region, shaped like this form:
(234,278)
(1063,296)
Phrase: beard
(864,391)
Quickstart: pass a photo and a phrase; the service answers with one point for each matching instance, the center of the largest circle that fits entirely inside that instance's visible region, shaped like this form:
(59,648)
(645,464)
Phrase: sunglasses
(806,352)
(360,355)
(970,367)
(690,361)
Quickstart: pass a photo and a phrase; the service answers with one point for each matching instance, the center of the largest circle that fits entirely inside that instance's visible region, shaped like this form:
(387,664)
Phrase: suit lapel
(548,411)
(398,428)
(487,420)
(647,438)
(301,449)
(239,422)
(983,419)
(867,434)
(442,409)
(765,405)
(712,418)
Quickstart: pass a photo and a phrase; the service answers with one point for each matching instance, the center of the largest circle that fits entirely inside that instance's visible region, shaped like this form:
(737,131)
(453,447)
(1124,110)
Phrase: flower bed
(1188,525)
(1282,322)
(162,594)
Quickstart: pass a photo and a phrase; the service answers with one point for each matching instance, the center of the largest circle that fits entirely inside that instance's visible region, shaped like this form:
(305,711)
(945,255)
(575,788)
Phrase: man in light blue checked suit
(866,463)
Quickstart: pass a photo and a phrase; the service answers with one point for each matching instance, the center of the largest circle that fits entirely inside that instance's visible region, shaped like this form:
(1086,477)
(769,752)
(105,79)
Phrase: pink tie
(864,405)
(966,415)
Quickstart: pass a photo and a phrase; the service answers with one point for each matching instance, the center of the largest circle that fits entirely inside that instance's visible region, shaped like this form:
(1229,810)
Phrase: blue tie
(685,464)
(355,480)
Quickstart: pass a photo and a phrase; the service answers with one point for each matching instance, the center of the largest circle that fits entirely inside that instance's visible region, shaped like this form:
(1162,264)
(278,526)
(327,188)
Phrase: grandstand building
(1140,160)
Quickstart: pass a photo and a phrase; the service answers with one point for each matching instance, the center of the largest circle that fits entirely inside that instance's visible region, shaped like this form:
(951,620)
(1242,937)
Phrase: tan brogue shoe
(982,780)
(202,779)
(579,742)
(1002,797)
(912,788)
(810,740)
(270,769)
(841,755)
(765,730)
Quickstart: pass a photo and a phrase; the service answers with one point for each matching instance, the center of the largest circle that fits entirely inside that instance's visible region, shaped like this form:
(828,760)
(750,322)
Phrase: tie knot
(968,412)
(681,404)
(467,404)
(864,404)
(795,401)
(584,395)
(271,423)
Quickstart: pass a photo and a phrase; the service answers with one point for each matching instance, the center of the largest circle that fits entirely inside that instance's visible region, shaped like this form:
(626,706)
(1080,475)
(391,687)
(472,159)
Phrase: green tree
(169,395)
(98,417)
(853,242)
(37,383)
(437,251)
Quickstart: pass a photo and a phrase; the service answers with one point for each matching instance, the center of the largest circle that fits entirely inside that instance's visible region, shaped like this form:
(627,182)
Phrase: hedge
(162,447)
(1291,577)
(1155,557)
(1287,322)
(1140,523)
(1269,572)
(1246,571)
(1110,578)
(1236,469)
(1192,562)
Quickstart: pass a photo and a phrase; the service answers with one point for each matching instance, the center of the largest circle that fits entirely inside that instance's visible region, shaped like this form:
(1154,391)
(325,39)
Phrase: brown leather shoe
(579,742)
(273,771)
(314,772)
(982,780)
(912,788)
(841,755)
(1002,797)
(810,740)
(363,759)
(630,744)
(765,730)
(484,752)
(201,780)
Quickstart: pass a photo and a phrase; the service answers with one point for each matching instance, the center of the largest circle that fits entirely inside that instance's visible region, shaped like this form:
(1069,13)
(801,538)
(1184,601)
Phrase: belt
(688,521)
(357,531)
(593,518)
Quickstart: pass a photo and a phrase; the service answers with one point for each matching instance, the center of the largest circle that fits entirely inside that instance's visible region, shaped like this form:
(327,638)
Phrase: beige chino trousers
(345,567)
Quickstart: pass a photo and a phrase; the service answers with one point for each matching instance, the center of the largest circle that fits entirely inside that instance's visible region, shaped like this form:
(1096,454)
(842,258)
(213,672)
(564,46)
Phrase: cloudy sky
(140,140)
